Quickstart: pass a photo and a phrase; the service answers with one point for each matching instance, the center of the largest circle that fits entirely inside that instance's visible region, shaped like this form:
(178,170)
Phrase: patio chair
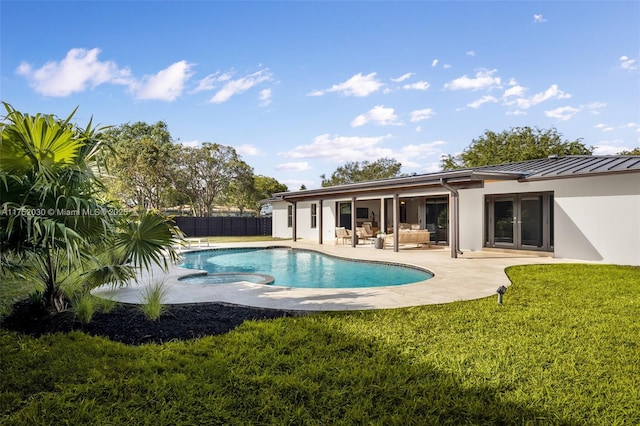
(365,233)
(342,232)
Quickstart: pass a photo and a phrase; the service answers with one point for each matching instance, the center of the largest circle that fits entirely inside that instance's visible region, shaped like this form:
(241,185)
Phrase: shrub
(83,305)
(152,299)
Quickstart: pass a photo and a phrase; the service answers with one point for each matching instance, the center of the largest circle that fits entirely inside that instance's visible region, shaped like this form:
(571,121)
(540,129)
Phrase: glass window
(314,215)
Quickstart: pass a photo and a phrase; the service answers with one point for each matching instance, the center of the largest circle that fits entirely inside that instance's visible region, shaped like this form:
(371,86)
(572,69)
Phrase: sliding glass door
(519,221)
(437,222)
(504,222)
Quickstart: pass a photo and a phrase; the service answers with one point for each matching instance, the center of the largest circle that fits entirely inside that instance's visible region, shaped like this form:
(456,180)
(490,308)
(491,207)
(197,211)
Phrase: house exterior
(575,207)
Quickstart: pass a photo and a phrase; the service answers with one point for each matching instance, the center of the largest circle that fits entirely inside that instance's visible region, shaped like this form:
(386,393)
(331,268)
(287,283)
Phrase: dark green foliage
(515,144)
(56,227)
(634,151)
(142,165)
(352,172)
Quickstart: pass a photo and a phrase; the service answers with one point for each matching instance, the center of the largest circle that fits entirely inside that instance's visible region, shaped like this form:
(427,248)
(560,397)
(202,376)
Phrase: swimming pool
(299,268)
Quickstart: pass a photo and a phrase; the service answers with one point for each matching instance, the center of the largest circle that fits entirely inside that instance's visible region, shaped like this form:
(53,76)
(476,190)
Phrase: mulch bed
(127,324)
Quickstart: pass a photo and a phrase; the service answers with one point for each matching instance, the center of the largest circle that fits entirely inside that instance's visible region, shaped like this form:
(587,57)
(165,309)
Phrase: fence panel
(223,226)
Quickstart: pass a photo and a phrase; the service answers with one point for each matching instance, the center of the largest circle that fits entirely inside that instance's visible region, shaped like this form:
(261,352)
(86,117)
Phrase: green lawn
(563,349)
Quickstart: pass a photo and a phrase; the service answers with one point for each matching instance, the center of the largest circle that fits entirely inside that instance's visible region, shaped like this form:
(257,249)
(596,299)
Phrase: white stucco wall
(599,219)
(596,218)
(279,228)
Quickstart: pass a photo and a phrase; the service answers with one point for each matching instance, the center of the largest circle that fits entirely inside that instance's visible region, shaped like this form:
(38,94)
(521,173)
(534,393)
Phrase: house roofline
(550,168)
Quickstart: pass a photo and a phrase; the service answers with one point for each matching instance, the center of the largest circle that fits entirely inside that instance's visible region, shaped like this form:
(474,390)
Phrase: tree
(142,164)
(240,192)
(634,151)
(515,144)
(352,172)
(264,188)
(209,172)
(56,226)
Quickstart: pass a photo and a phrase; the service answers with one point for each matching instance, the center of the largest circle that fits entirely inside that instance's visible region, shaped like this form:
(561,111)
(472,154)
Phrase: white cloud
(211,81)
(403,77)
(79,70)
(265,97)
(567,112)
(166,85)
(538,19)
(628,64)
(340,148)
(516,112)
(248,150)
(483,100)
(484,79)
(553,92)
(446,66)
(300,166)
(421,114)
(610,148)
(603,127)
(410,153)
(240,85)
(359,85)
(516,90)
(434,63)
(432,167)
(594,107)
(419,85)
(378,115)
(470,53)
(418,129)
(562,113)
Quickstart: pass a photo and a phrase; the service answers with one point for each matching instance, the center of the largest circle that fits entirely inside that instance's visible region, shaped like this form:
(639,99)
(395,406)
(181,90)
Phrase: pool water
(300,268)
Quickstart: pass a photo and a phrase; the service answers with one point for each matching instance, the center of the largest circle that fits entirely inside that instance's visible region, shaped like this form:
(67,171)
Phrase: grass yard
(563,349)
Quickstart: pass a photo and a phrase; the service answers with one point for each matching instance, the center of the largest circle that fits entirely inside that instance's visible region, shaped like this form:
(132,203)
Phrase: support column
(396,222)
(381,222)
(353,221)
(294,214)
(455,218)
(454,228)
(320,231)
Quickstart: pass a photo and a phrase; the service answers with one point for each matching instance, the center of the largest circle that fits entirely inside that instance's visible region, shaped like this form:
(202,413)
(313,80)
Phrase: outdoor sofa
(411,236)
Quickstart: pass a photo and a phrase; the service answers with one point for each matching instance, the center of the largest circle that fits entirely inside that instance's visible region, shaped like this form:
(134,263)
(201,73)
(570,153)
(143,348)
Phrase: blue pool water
(299,268)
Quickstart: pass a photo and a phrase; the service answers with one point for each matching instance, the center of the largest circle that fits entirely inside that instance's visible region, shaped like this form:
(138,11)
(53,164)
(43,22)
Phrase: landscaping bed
(126,323)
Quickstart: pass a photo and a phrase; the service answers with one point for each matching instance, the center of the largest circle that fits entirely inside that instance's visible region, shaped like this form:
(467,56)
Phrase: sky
(298,88)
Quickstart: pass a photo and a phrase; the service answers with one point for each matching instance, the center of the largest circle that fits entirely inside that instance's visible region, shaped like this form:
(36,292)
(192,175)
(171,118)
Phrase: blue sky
(299,88)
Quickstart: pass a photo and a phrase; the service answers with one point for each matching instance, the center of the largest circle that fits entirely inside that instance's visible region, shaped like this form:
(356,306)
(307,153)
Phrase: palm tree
(54,218)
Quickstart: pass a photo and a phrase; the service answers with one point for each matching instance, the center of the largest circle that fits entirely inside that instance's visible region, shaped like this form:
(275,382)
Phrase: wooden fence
(223,226)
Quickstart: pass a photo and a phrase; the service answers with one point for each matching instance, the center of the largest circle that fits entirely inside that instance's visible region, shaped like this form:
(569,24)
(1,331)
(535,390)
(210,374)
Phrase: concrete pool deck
(473,275)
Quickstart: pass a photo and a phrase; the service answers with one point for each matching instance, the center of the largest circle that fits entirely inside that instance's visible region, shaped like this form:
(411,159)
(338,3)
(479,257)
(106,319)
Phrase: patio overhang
(463,179)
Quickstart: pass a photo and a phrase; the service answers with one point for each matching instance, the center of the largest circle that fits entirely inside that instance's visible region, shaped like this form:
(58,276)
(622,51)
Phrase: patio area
(472,275)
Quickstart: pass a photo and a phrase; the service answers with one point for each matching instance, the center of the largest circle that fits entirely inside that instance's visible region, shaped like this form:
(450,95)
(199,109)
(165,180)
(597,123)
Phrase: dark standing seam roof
(571,166)
(540,169)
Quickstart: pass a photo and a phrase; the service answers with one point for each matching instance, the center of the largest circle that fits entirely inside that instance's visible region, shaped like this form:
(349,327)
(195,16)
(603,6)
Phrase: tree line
(509,146)
(147,170)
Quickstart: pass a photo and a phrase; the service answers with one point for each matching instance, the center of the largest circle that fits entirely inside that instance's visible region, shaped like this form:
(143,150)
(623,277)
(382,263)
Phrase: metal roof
(552,167)
(569,166)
